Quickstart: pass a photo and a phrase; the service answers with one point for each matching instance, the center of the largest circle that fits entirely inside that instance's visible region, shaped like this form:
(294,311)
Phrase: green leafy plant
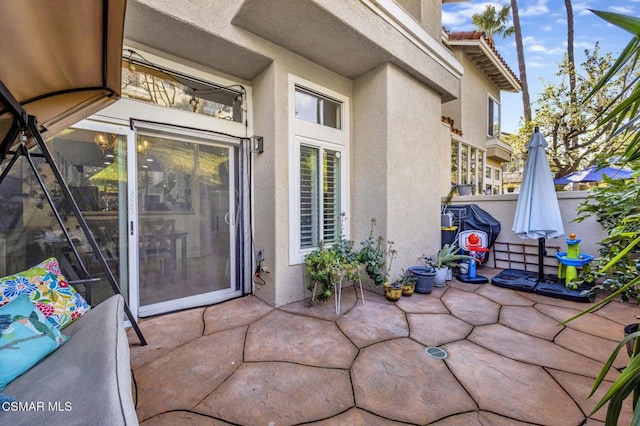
(623,117)
(447,256)
(377,256)
(327,265)
(405,278)
(320,265)
(617,208)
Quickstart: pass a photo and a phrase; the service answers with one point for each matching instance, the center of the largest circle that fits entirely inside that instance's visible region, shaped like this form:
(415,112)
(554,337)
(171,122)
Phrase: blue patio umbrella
(537,210)
(593,174)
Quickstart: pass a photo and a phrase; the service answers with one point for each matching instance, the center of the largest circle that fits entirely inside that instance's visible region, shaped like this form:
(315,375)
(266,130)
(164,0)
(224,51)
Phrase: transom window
(316,108)
(148,83)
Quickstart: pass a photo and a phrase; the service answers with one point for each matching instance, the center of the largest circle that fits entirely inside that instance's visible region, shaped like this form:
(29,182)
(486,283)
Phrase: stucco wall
(398,144)
(400,162)
(502,208)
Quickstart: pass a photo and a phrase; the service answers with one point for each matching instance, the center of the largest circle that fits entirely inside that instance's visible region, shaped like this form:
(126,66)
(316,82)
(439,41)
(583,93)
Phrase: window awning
(61,60)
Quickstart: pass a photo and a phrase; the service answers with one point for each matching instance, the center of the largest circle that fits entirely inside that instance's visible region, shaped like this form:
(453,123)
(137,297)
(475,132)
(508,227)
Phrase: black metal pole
(83,224)
(541,252)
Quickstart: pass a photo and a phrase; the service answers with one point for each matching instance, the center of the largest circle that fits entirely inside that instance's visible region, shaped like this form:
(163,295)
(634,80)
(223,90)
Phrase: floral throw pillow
(26,337)
(48,290)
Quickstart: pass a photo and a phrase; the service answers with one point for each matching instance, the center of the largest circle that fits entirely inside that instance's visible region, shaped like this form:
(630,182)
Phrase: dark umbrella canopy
(593,174)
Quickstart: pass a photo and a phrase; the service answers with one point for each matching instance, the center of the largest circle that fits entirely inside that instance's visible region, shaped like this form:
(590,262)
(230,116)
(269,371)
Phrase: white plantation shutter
(309,196)
(331,196)
(319,204)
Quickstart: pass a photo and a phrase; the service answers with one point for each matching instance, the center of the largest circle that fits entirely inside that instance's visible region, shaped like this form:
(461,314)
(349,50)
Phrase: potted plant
(392,290)
(327,266)
(407,282)
(320,265)
(447,257)
(372,256)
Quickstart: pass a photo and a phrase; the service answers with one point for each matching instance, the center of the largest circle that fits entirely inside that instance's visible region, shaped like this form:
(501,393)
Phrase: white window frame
(303,132)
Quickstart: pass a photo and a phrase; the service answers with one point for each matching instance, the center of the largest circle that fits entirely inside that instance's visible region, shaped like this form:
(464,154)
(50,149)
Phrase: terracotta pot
(392,293)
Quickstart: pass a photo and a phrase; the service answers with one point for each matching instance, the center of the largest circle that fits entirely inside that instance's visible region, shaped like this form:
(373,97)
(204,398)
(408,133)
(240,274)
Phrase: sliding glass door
(187,200)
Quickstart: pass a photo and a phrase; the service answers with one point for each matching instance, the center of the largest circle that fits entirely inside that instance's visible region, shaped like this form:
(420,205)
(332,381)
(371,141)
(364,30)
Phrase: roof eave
(507,81)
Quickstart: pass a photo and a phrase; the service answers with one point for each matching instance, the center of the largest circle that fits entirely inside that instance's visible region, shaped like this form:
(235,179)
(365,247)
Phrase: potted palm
(447,257)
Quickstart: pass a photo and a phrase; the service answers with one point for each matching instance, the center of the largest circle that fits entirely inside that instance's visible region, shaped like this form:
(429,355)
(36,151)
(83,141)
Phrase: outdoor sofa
(86,381)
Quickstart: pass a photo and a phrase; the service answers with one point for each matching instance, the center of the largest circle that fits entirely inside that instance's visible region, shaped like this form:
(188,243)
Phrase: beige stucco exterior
(385,57)
(395,73)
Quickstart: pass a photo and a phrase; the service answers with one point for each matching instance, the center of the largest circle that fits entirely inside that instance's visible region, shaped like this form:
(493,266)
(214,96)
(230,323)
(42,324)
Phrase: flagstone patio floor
(510,361)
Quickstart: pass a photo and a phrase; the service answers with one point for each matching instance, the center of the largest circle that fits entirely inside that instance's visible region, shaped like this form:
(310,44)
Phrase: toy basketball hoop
(474,242)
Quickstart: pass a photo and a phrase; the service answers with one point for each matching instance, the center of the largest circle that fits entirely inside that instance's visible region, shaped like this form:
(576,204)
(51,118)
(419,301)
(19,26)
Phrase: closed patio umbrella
(537,210)
(594,174)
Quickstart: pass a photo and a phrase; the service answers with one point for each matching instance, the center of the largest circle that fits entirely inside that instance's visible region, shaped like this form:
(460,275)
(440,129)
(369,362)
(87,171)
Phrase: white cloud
(547,28)
(452,18)
(583,45)
(621,9)
(540,48)
(539,8)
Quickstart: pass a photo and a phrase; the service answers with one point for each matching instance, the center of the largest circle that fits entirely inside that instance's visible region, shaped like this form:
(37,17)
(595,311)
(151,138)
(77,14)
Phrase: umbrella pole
(541,252)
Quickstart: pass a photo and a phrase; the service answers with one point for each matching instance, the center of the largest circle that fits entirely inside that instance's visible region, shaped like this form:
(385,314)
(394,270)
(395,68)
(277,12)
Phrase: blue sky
(544,32)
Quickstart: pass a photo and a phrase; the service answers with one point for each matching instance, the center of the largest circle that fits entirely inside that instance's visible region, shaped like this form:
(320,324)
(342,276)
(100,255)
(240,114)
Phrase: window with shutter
(318,167)
(319,204)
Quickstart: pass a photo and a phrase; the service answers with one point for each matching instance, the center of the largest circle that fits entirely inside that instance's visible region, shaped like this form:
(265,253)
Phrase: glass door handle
(227,218)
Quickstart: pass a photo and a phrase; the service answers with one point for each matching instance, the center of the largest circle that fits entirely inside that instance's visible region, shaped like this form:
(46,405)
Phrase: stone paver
(396,380)
(470,307)
(164,334)
(510,361)
(504,386)
(437,329)
(530,321)
(422,304)
(533,350)
(478,418)
(579,388)
(589,323)
(503,296)
(173,418)
(281,336)
(200,366)
(282,393)
(545,300)
(237,312)
(373,322)
(353,417)
(590,346)
(326,310)
(622,313)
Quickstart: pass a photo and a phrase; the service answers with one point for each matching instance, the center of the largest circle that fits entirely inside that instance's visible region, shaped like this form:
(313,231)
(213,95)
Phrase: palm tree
(572,64)
(493,23)
(526,102)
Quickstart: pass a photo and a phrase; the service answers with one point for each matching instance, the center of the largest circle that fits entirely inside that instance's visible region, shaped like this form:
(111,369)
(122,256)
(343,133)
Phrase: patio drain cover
(436,353)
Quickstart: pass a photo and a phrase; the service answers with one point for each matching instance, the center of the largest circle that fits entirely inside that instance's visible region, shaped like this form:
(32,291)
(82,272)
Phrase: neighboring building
(477,153)
(248,131)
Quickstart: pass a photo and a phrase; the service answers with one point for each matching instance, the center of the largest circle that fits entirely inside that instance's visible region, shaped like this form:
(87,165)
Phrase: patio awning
(61,59)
